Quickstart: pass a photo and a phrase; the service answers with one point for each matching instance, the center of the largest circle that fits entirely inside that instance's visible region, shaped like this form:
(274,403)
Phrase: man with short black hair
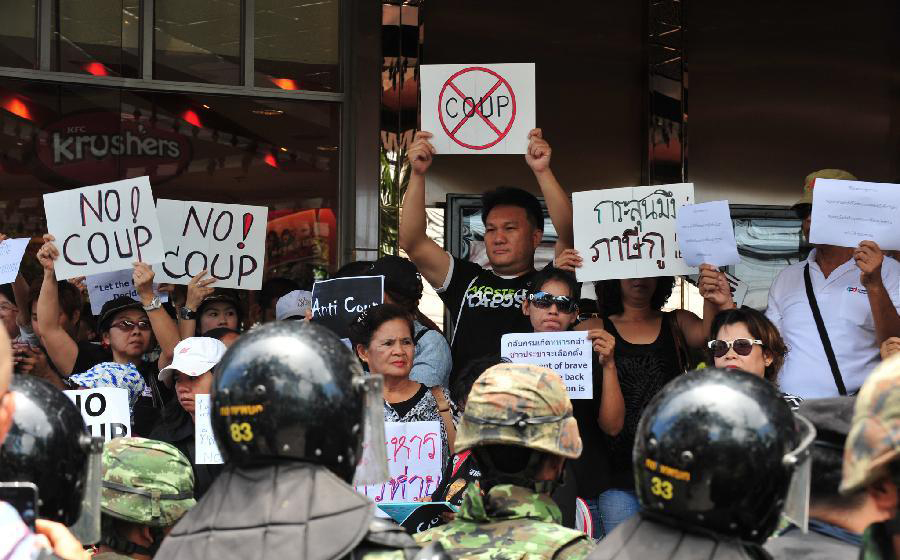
(836,521)
(485,304)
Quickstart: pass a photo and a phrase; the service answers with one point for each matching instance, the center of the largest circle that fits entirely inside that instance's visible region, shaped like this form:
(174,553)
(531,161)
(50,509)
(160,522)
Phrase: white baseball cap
(194,356)
(293,305)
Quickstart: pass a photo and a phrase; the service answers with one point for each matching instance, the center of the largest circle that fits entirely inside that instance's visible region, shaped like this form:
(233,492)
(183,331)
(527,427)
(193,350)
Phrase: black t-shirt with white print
(482,307)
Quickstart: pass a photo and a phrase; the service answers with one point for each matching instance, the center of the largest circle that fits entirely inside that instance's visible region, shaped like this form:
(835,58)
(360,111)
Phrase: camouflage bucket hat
(145,481)
(523,405)
(874,439)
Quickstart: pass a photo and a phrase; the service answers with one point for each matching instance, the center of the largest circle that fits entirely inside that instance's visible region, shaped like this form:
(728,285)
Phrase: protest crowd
(286,421)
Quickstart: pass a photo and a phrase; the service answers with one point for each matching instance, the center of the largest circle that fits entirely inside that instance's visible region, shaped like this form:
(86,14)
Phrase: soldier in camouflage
(518,423)
(871,455)
(148,486)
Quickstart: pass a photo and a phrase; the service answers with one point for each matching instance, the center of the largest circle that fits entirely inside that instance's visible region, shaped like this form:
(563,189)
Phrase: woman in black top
(651,348)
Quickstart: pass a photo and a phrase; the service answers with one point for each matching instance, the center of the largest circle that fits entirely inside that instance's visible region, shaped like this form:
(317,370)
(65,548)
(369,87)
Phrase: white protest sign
(478,109)
(568,353)
(844,213)
(206,449)
(228,240)
(11,253)
(103,228)
(630,232)
(706,235)
(414,462)
(107,285)
(105,411)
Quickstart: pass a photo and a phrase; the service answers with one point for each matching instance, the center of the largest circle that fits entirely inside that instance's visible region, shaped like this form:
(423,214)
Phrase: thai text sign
(844,213)
(11,253)
(228,240)
(105,411)
(705,234)
(103,228)
(630,232)
(567,353)
(414,462)
(487,109)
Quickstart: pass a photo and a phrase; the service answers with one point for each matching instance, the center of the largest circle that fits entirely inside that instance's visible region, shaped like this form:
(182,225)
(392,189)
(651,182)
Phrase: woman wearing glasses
(552,306)
(745,339)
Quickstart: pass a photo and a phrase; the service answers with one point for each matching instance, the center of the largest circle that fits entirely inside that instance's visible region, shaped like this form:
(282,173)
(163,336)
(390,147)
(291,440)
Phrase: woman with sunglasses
(552,306)
(747,340)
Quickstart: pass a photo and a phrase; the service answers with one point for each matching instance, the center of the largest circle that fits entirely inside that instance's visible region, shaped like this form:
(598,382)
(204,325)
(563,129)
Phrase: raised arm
(61,348)
(716,294)
(198,288)
(429,257)
(558,204)
(164,328)
(869,258)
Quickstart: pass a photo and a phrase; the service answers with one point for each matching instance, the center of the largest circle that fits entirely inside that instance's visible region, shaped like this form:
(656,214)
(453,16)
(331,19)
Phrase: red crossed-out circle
(476,109)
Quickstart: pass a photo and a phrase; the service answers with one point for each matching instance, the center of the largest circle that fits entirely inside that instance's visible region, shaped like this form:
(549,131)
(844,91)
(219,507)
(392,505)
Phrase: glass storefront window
(197,41)
(280,154)
(18,47)
(296,45)
(101,40)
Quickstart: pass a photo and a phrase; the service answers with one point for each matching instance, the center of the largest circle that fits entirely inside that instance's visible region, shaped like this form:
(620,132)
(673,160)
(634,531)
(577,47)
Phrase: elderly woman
(747,340)
(383,339)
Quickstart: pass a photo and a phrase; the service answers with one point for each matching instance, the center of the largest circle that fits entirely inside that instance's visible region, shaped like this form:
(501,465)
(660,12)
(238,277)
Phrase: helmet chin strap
(128,547)
(491,476)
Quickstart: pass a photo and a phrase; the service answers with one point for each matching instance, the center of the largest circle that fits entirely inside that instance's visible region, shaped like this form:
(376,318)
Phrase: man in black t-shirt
(485,304)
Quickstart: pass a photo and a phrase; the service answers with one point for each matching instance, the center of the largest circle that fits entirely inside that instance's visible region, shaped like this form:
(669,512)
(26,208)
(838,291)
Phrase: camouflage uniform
(145,482)
(873,444)
(525,406)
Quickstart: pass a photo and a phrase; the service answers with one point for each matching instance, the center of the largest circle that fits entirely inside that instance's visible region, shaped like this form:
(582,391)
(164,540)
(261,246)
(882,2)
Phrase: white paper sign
(104,287)
(206,449)
(844,213)
(478,109)
(105,411)
(414,462)
(228,240)
(630,232)
(11,253)
(567,353)
(103,228)
(706,234)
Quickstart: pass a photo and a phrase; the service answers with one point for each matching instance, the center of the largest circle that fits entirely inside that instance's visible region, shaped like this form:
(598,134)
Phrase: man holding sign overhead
(485,303)
(835,308)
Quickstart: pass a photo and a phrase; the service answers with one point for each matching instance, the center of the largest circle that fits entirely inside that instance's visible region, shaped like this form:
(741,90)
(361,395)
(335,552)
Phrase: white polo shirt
(847,315)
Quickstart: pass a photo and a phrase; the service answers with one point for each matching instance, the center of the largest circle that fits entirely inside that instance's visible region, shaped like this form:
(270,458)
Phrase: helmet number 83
(241,431)
(659,487)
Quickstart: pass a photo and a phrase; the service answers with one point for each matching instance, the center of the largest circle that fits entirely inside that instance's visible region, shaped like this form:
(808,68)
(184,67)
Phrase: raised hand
(713,285)
(421,152)
(48,253)
(198,288)
(569,260)
(868,257)
(538,153)
(604,344)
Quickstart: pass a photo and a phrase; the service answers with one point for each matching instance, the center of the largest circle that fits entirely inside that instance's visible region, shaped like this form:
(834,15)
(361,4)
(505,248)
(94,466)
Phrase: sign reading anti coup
(103,228)
(227,240)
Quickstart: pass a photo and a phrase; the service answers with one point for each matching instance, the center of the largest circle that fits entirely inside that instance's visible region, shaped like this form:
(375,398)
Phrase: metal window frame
(347,40)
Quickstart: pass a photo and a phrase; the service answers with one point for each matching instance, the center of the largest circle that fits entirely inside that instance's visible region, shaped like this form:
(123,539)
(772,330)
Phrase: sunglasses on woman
(128,326)
(742,346)
(543,300)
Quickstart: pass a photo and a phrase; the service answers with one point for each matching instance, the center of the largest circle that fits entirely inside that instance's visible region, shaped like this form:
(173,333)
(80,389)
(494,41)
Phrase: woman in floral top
(382,337)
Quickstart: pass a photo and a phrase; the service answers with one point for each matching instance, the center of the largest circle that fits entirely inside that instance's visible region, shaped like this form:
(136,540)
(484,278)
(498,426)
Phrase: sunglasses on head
(742,346)
(128,326)
(543,300)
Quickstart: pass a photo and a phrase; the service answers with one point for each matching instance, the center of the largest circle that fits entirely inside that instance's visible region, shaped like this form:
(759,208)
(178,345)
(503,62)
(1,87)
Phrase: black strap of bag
(823,334)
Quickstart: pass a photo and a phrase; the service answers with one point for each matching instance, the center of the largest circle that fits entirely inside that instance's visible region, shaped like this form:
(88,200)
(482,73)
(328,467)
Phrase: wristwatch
(187,314)
(154,304)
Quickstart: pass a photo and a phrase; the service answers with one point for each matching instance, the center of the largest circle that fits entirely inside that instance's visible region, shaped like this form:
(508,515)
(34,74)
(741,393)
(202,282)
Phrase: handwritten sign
(486,109)
(205,448)
(108,285)
(414,463)
(844,213)
(105,411)
(567,353)
(337,302)
(706,234)
(630,232)
(11,253)
(103,228)
(228,240)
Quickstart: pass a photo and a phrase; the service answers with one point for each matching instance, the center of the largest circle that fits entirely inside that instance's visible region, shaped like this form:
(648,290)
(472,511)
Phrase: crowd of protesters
(830,320)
